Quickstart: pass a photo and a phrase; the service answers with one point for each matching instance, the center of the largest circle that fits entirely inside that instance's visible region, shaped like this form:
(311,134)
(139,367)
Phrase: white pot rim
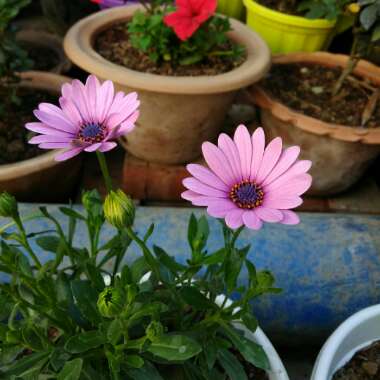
(326,355)
(78,47)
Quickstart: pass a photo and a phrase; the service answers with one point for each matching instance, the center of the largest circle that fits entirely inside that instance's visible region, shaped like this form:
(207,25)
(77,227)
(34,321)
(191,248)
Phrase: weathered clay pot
(41,178)
(46,40)
(177,113)
(340,154)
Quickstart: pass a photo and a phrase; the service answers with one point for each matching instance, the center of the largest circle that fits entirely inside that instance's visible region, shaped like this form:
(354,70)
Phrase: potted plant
(23,169)
(187,67)
(328,104)
(294,26)
(352,351)
(85,313)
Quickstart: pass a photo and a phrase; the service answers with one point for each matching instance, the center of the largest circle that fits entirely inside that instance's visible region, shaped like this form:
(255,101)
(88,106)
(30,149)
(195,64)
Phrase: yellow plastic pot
(231,8)
(286,33)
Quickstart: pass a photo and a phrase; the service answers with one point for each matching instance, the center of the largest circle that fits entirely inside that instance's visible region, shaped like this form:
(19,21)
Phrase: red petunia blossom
(189,16)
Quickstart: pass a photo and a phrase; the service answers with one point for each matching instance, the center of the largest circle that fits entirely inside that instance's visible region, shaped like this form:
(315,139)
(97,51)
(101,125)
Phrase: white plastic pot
(357,332)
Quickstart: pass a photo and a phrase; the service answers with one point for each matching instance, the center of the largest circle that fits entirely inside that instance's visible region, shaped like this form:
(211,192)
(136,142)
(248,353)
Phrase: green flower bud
(119,209)
(110,302)
(154,330)
(8,205)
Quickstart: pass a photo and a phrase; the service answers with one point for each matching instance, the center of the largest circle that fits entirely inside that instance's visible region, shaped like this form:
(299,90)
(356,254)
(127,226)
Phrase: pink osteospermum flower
(89,118)
(246,183)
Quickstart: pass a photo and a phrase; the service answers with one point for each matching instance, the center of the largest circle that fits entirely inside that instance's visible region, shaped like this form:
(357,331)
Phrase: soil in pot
(14,136)
(284,6)
(307,88)
(44,59)
(365,365)
(114,45)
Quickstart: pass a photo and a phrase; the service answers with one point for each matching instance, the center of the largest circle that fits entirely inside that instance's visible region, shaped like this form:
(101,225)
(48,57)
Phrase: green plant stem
(105,171)
(13,223)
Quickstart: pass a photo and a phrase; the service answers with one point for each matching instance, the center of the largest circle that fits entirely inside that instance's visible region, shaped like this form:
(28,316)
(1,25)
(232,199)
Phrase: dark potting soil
(14,136)
(365,365)
(115,46)
(283,6)
(307,88)
(44,59)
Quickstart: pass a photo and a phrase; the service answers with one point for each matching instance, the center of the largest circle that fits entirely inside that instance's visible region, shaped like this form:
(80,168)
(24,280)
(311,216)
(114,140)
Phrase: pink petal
(91,91)
(53,145)
(67,90)
(126,109)
(282,203)
(234,218)
(200,188)
(106,98)
(92,147)
(54,121)
(71,112)
(258,145)
(49,139)
(79,99)
(197,199)
(218,163)
(270,158)
(287,159)
(206,176)
(297,169)
(46,130)
(290,217)
(251,220)
(296,186)
(230,150)
(107,146)
(219,208)
(243,143)
(269,215)
(126,126)
(68,154)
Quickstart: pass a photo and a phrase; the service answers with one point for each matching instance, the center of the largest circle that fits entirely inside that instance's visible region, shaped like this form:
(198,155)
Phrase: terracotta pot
(41,178)
(340,154)
(44,39)
(177,113)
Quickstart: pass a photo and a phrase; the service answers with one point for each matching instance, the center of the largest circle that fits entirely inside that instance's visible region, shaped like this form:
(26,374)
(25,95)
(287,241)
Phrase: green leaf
(49,243)
(26,363)
(146,372)
(368,16)
(86,297)
(115,331)
(249,321)
(210,350)
(134,361)
(196,299)
(231,365)
(32,338)
(71,370)
(168,261)
(215,258)
(175,347)
(72,213)
(85,341)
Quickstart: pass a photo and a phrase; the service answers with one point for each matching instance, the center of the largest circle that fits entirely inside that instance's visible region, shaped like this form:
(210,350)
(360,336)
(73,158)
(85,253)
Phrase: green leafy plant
(325,9)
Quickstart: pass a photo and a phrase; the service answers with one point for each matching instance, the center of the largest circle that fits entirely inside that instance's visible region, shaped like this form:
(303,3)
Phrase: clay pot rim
(308,123)
(48,40)
(40,80)
(78,47)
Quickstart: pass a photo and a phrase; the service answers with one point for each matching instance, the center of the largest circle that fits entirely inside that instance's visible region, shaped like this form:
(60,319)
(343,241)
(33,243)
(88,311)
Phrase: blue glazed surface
(328,266)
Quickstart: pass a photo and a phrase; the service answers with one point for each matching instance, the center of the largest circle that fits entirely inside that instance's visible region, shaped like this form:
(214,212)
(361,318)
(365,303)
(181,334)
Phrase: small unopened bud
(119,209)
(110,302)
(8,205)
(154,330)
(354,8)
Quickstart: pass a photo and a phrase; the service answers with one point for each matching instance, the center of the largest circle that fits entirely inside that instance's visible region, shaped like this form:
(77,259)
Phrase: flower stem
(105,171)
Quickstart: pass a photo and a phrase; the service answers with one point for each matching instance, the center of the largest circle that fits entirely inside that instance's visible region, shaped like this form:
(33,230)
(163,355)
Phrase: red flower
(189,16)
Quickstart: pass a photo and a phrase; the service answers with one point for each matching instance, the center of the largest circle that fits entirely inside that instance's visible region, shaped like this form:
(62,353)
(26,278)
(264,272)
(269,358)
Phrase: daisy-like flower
(248,183)
(112,3)
(89,118)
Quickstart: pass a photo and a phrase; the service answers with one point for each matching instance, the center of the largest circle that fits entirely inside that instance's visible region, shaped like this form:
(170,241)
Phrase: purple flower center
(247,194)
(91,133)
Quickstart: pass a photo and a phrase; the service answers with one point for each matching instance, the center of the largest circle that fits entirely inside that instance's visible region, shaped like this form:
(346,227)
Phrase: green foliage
(139,326)
(323,9)
(149,34)
(370,18)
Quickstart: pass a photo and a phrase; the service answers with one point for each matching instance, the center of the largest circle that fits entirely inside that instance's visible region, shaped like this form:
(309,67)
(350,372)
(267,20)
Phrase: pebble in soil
(307,88)
(14,136)
(365,365)
(115,46)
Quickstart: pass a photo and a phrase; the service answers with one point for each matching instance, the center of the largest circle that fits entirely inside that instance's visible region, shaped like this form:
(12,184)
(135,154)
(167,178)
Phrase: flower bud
(154,330)
(110,302)
(119,209)
(354,8)
(8,205)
